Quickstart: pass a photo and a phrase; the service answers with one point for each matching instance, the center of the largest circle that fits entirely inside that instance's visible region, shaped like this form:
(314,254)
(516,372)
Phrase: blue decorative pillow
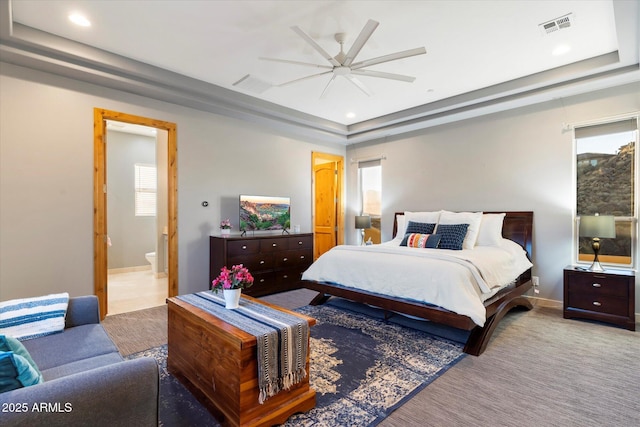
(452,235)
(416,240)
(33,317)
(16,372)
(420,227)
(8,343)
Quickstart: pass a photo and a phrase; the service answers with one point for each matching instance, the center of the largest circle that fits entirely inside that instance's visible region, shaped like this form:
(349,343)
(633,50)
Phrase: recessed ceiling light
(79,19)
(561,49)
(351,115)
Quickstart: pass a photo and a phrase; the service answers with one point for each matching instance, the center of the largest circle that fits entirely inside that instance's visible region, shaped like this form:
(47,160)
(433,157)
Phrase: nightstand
(608,296)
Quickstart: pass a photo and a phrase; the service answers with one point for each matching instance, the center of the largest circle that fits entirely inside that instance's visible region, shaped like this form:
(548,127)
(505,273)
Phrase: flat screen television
(259,213)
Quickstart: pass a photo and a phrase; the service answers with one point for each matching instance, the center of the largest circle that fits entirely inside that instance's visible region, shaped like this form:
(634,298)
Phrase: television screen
(264,213)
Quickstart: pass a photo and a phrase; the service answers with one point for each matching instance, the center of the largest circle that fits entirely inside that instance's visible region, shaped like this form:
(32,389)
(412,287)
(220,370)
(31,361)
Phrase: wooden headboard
(517,226)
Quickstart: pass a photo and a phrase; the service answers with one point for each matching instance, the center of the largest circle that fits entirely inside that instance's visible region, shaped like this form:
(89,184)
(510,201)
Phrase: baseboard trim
(128,269)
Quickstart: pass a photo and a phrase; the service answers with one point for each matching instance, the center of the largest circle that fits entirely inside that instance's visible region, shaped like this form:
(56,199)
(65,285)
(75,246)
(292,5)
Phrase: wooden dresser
(275,261)
(608,296)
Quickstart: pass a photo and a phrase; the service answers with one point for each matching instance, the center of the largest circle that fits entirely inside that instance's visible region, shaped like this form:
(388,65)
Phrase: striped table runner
(281,339)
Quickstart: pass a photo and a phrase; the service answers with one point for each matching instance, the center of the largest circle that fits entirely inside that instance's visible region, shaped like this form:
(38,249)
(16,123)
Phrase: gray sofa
(86,380)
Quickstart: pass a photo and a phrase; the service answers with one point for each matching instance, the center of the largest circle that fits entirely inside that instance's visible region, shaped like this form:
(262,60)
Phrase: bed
(345,271)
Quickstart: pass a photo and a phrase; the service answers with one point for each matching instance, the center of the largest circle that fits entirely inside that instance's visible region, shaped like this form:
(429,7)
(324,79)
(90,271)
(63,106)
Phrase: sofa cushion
(81,366)
(77,343)
(28,318)
(16,372)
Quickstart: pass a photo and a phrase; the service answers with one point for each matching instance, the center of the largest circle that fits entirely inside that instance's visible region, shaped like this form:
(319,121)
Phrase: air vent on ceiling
(563,22)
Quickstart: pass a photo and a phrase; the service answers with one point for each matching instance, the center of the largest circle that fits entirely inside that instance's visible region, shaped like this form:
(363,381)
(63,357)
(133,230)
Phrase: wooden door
(327,219)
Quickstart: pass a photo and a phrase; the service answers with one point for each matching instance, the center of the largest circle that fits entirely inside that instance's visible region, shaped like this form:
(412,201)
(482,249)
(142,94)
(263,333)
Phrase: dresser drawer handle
(285,259)
(244,247)
(597,304)
(596,285)
(274,244)
(299,243)
(285,276)
(261,280)
(261,261)
(301,256)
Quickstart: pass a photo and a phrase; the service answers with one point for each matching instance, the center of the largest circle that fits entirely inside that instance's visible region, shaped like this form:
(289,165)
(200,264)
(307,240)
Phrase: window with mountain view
(606,185)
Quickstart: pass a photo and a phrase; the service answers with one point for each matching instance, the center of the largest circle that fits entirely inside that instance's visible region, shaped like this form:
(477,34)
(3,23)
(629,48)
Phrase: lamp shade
(363,221)
(603,226)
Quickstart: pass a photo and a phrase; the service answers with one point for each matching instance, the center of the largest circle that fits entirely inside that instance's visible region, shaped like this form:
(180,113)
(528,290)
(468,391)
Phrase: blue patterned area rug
(362,369)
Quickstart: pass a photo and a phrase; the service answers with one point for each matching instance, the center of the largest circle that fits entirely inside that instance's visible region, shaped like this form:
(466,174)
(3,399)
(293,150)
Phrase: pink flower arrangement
(236,278)
(225,224)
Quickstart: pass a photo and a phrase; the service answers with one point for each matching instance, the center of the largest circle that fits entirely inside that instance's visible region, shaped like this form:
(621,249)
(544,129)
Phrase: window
(606,165)
(370,177)
(145,189)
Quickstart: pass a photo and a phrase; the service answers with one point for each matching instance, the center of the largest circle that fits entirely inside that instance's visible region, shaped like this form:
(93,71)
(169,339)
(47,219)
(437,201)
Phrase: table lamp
(597,227)
(363,222)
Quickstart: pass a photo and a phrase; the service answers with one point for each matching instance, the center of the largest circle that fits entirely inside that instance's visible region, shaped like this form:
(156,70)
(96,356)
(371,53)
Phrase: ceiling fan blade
(316,46)
(391,76)
(364,35)
(390,57)
(288,61)
(303,78)
(326,88)
(359,84)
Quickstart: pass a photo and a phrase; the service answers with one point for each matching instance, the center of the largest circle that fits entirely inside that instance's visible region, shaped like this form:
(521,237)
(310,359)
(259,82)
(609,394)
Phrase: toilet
(151,257)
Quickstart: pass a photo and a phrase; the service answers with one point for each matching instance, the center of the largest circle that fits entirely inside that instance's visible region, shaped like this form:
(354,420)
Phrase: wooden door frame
(339,160)
(100,116)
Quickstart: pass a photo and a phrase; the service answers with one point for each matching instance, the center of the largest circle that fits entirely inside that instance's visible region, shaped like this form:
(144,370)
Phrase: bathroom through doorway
(135,211)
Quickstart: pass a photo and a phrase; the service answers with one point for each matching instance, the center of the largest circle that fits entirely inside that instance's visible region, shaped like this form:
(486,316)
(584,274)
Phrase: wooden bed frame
(517,226)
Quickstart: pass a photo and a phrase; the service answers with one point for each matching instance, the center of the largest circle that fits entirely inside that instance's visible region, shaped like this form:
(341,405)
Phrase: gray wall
(516,160)
(46,179)
(131,236)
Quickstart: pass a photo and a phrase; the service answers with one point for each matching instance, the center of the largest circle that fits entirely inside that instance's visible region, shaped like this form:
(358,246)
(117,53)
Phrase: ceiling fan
(343,63)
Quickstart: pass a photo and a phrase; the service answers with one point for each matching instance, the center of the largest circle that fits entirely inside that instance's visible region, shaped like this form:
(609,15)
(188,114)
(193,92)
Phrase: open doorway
(163,226)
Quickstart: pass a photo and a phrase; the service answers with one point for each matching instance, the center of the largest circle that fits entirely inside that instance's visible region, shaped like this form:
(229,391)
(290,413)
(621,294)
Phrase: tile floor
(135,290)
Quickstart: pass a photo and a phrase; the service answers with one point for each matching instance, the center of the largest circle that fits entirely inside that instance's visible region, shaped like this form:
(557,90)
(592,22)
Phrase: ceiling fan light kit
(342,65)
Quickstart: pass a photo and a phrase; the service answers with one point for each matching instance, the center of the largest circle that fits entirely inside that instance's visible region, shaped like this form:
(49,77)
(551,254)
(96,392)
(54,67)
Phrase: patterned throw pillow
(420,227)
(416,240)
(28,318)
(452,235)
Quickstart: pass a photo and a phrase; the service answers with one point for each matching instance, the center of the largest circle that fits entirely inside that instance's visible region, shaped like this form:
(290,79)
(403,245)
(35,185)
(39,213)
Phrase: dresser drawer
(243,247)
(274,245)
(301,242)
(255,263)
(595,284)
(599,303)
(293,258)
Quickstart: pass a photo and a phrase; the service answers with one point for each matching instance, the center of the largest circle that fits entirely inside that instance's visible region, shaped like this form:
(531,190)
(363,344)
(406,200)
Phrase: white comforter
(458,281)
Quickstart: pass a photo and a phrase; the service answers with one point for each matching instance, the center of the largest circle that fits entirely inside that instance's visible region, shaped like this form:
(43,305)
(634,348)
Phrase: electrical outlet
(535,280)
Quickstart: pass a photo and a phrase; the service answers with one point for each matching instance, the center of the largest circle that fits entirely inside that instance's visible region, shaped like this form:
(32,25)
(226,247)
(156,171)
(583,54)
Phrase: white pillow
(471,218)
(490,233)
(429,217)
(28,318)
(401,226)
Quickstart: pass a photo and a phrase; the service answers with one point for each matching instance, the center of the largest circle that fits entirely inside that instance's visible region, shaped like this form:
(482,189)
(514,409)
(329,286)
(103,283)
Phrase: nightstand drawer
(599,303)
(596,284)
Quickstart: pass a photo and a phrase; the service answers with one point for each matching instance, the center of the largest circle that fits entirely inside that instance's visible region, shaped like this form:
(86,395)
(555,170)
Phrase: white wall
(516,160)
(46,179)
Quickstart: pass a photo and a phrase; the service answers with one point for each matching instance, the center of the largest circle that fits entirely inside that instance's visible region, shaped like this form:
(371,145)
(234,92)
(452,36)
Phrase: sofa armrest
(121,394)
(82,311)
